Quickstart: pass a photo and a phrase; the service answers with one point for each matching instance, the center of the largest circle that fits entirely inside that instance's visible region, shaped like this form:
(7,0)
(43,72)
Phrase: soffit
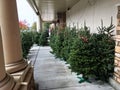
(49,8)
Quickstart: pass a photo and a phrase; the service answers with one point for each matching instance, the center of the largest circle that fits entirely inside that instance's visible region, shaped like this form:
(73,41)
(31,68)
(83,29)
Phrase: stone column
(11,36)
(6,81)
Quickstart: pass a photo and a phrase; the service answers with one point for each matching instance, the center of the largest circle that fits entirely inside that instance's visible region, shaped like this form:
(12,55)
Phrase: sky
(25,12)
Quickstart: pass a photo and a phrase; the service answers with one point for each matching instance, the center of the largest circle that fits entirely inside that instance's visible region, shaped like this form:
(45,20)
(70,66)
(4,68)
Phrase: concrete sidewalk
(53,74)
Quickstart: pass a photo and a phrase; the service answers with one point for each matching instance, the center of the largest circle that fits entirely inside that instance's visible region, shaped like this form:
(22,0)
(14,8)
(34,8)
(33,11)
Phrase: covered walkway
(53,74)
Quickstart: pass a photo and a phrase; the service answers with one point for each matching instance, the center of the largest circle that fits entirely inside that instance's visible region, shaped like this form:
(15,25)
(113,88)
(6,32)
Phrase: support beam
(11,36)
(39,24)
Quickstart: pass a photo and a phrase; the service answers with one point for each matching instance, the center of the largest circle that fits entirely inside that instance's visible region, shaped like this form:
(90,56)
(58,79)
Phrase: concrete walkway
(53,74)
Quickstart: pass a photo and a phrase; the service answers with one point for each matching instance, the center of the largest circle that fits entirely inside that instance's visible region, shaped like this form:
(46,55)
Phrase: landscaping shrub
(105,47)
(69,36)
(43,39)
(36,37)
(88,54)
(52,40)
(27,42)
(57,37)
(29,38)
(80,55)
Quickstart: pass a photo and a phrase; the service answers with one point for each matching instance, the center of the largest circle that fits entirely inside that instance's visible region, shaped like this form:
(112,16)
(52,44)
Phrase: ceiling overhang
(48,9)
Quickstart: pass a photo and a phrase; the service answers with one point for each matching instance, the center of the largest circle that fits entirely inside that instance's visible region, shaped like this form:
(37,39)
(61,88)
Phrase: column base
(7,83)
(25,78)
(17,66)
(28,82)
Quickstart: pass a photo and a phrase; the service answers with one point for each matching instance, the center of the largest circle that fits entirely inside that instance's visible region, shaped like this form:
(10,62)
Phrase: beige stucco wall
(92,11)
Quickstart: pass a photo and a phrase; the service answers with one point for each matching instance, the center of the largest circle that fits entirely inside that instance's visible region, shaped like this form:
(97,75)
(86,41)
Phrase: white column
(2,67)
(6,81)
(39,24)
(11,36)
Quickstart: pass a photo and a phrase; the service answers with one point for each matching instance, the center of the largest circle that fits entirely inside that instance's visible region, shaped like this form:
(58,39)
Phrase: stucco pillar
(11,36)
(61,20)
(6,81)
(39,24)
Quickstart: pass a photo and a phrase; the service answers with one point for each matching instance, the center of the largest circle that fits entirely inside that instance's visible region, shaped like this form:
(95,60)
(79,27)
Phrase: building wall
(117,50)
(91,12)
